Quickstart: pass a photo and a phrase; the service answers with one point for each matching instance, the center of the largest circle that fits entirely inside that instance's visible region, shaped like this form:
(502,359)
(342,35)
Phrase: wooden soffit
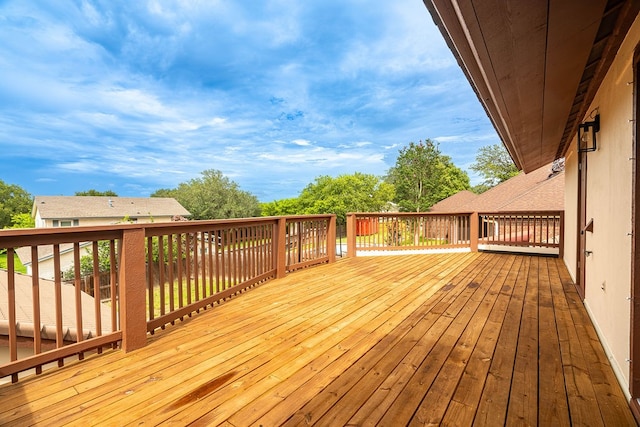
(535,65)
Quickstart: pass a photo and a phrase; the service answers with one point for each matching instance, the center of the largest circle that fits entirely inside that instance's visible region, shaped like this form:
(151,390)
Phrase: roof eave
(462,31)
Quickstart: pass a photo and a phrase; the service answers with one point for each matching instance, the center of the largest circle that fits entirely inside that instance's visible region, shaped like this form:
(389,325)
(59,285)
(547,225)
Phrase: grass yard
(16,263)
(176,293)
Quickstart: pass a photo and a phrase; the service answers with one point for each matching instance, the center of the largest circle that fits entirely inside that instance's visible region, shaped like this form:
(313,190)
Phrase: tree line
(420,177)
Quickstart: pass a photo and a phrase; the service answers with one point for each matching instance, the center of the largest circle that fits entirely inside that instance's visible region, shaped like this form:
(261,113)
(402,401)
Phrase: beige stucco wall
(609,188)
(39,221)
(89,222)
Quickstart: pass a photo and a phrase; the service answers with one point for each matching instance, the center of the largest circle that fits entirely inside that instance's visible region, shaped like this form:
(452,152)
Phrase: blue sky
(134,96)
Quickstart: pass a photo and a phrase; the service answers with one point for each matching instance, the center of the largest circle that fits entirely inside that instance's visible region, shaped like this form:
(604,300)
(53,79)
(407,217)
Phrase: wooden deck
(451,339)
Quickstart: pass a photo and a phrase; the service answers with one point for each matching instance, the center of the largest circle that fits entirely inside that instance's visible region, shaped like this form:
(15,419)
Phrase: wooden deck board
(523,399)
(492,409)
(452,339)
(464,403)
(440,342)
(400,323)
(552,400)
(239,355)
(345,392)
(360,327)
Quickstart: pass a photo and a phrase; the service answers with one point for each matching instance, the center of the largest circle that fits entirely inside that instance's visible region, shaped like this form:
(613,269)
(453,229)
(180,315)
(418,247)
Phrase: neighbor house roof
(24,309)
(45,251)
(540,190)
(60,207)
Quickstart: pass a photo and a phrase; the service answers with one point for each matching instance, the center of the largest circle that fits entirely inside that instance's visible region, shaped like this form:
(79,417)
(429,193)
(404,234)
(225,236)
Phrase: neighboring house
(68,211)
(71,211)
(539,190)
(561,79)
(45,258)
(24,316)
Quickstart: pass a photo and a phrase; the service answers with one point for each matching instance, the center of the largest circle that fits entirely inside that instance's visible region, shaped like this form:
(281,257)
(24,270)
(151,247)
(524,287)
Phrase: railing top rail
(176,227)
(296,217)
(49,236)
(523,213)
(396,214)
(221,224)
(54,235)
(389,214)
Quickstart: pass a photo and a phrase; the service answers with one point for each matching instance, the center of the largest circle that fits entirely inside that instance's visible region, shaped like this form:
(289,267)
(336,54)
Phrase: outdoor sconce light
(587,135)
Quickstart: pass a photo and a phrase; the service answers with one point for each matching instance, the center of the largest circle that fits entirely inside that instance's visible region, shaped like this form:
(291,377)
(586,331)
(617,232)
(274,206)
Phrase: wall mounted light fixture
(587,135)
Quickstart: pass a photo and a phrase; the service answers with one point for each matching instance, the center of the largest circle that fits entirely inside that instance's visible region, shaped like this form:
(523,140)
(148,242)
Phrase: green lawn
(156,295)
(16,263)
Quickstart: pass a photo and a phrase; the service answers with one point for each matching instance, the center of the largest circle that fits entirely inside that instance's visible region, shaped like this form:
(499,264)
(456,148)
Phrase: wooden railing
(536,232)
(404,231)
(145,276)
(200,263)
(384,233)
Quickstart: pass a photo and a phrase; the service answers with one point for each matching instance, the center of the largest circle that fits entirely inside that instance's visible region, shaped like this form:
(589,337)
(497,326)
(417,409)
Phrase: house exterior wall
(45,265)
(46,268)
(609,193)
(100,221)
(39,221)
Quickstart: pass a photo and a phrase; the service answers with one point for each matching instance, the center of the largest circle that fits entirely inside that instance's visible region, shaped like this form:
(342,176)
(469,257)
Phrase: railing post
(281,247)
(351,235)
(474,224)
(132,290)
(331,238)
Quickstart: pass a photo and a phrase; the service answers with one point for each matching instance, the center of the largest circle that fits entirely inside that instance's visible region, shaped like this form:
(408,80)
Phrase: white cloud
(301,142)
(145,95)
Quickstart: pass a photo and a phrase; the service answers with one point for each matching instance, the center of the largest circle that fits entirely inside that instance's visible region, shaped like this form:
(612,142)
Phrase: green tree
(347,193)
(494,164)
(165,192)
(281,207)
(22,220)
(93,192)
(86,262)
(213,196)
(13,200)
(422,176)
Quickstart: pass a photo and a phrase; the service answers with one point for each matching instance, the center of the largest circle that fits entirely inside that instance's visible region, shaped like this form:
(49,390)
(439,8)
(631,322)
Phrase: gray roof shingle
(61,207)
(534,191)
(24,310)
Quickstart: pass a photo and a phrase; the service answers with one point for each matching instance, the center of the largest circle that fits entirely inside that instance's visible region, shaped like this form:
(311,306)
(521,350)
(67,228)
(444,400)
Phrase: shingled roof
(540,190)
(24,310)
(61,207)
(453,203)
